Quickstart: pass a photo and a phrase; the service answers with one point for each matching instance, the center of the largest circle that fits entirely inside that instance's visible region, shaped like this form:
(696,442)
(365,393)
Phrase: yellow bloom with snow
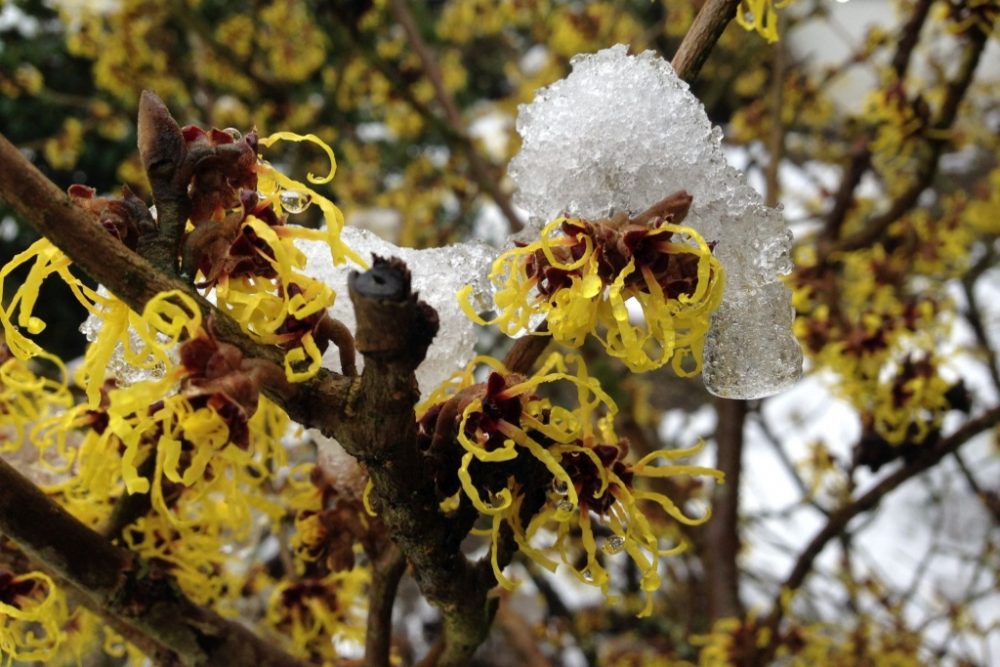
(584,277)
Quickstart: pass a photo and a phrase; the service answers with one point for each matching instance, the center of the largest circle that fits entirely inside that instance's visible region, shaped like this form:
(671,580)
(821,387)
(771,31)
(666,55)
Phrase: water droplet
(565,506)
(294,201)
(587,575)
(614,545)
(234,133)
(560,486)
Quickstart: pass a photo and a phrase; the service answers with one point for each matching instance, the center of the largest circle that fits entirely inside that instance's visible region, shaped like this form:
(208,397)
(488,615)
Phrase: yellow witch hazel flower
(582,276)
(551,473)
(761,15)
(25,397)
(314,612)
(32,614)
(199,440)
(242,246)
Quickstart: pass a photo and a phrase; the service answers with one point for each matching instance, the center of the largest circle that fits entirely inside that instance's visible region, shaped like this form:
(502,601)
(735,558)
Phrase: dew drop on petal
(234,133)
(559,486)
(587,575)
(293,201)
(613,545)
(565,506)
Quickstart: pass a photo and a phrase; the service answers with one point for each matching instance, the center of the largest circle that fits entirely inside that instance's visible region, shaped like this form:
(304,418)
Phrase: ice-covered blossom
(622,132)
(580,275)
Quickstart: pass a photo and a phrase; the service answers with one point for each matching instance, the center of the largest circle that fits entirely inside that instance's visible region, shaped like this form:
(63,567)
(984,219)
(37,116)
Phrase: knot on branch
(392,323)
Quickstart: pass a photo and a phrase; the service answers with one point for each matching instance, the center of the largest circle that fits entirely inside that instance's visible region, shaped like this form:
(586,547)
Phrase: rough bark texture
(115,583)
(708,26)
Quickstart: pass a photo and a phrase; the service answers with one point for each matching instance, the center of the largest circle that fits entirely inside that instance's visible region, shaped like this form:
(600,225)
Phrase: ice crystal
(620,133)
(437,274)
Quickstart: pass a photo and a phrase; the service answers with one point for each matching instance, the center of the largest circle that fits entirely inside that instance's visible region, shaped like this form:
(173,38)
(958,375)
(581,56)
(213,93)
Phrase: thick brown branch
(393,332)
(701,37)
(838,520)
(115,583)
(386,573)
(722,536)
(135,281)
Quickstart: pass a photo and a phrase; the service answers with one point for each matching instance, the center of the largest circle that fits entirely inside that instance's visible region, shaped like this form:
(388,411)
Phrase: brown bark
(115,583)
(722,538)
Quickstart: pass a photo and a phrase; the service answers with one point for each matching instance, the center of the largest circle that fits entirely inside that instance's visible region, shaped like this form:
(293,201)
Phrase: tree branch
(927,168)
(527,349)
(701,37)
(722,532)
(481,173)
(317,402)
(839,519)
(387,570)
(115,583)
(860,155)
(393,332)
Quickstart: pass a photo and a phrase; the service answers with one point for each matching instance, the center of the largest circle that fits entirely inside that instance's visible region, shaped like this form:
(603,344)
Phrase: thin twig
(788,465)
(840,518)
(974,316)
(481,173)
(927,168)
(520,637)
(989,499)
(527,349)
(335,331)
(776,142)
(701,37)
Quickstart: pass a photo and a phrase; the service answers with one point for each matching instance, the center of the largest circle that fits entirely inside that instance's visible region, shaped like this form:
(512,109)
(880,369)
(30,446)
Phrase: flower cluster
(582,275)
(862,315)
(32,614)
(183,423)
(556,479)
(243,248)
(198,439)
(25,397)
(316,613)
(736,641)
(899,124)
